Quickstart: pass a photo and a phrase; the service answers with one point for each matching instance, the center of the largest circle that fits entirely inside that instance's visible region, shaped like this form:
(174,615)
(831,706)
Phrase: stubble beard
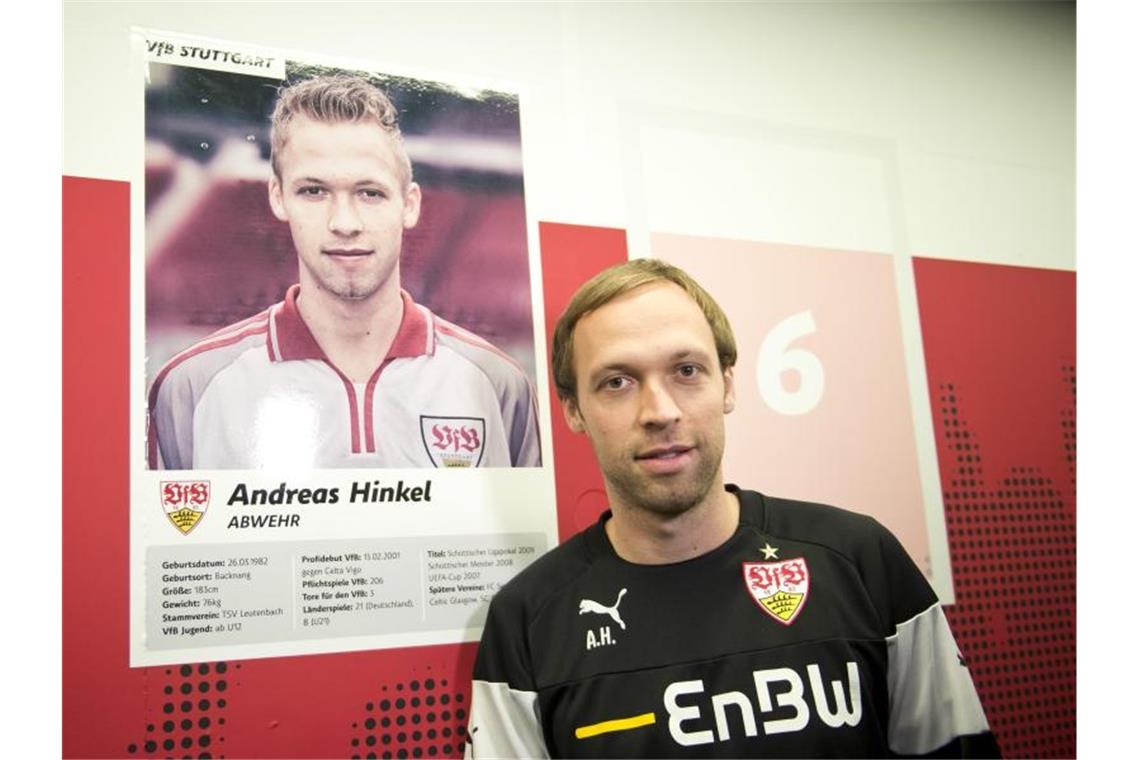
(351,291)
(349,288)
(668,496)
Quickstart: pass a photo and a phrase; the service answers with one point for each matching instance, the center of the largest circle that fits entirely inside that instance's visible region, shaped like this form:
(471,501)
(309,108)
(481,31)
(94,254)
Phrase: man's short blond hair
(334,100)
(615,281)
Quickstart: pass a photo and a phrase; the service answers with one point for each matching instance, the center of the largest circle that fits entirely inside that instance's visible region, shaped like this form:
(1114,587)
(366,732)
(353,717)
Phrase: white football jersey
(262,394)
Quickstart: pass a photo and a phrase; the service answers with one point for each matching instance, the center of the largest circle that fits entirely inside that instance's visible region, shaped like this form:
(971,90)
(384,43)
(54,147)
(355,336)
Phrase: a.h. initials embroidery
(603,637)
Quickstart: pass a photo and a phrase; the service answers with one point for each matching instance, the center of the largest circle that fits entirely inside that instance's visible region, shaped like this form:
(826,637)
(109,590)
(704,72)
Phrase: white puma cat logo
(589,605)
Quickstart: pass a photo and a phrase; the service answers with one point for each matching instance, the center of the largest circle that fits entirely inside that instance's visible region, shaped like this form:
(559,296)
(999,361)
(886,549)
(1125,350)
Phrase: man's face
(343,194)
(651,398)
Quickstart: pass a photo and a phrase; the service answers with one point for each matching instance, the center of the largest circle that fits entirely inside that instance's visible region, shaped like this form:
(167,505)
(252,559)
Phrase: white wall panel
(970,105)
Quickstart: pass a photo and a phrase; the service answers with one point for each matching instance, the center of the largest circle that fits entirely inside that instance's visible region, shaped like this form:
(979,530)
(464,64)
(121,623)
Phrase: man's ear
(729,390)
(412,198)
(276,200)
(573,415)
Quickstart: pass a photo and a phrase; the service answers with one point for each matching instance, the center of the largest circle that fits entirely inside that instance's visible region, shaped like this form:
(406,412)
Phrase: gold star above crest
(769,551)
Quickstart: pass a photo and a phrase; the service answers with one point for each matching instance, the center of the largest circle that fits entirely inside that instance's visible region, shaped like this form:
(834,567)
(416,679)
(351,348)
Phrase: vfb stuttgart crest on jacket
(454,441)
(780,588)
(185,502)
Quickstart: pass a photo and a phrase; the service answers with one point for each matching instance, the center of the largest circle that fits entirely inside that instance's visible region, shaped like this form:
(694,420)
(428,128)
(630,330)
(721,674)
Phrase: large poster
(336,437)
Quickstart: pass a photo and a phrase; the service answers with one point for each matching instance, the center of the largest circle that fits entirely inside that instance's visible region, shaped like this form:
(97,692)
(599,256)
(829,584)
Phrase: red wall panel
(96,359)
(1000,345)
(572,254)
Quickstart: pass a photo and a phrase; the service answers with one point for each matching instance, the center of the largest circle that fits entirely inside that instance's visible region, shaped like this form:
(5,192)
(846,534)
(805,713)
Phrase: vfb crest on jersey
(454,441)
(780,588)
(185,502)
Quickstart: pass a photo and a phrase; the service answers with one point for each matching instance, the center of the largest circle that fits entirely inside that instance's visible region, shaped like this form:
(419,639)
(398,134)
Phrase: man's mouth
(347,252)
(665,452)
(666,460)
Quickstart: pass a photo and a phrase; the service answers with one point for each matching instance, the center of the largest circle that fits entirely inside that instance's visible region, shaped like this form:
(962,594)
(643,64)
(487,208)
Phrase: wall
(973,101)
(925,132)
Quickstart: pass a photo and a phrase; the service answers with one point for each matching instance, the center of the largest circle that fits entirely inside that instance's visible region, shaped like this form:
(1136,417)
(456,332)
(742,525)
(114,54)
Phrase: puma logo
(589,605)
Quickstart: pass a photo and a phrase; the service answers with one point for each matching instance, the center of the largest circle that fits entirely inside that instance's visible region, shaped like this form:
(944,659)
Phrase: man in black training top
(699,619)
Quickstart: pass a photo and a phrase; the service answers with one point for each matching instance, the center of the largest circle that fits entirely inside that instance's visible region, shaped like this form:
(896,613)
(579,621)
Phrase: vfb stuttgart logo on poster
(454,441)
(185,502)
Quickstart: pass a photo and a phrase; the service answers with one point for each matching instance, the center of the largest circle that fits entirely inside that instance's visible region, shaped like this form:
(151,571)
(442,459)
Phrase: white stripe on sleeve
(504,722)
(933,700)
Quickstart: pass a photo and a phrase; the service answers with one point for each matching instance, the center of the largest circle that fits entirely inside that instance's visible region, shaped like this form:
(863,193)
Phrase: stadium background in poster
(215,254)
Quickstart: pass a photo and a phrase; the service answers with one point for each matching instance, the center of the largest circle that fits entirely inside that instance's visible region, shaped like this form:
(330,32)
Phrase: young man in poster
(347,371)
(698,618)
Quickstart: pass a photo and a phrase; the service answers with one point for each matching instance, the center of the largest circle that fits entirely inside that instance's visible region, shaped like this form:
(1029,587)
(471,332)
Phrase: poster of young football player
(338,432)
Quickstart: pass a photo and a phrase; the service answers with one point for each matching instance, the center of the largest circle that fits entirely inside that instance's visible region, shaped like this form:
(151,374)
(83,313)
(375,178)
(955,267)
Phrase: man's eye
(689,370)
(615,383)
(372,194)
(311,191)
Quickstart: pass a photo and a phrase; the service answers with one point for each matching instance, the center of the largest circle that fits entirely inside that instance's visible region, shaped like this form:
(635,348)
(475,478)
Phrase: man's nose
(343,217)
(658,407)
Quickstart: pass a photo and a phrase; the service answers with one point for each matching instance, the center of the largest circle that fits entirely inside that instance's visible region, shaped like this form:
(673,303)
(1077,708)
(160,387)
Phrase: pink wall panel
(835,425)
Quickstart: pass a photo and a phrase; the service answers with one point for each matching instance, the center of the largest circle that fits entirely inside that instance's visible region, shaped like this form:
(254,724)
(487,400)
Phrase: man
(347,371)
(698,619)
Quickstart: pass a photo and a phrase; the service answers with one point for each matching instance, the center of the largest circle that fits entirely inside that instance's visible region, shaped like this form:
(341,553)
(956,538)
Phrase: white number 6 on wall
(775,358)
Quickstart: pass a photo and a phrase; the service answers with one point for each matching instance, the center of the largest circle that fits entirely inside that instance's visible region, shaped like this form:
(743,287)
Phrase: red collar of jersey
(291,339)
